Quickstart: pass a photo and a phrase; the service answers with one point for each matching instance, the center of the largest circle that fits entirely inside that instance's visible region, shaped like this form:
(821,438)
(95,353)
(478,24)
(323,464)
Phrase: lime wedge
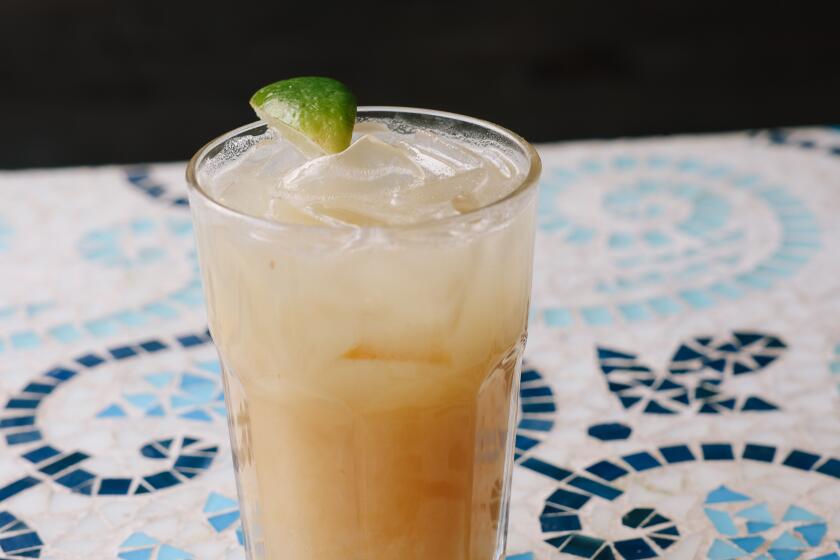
(322,110)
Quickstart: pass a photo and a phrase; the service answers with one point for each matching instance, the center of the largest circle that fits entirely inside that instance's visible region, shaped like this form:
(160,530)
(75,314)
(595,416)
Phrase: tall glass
(371,373)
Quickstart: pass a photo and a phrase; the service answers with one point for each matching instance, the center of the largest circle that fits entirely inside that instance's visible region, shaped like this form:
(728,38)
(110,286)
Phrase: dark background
(109,81)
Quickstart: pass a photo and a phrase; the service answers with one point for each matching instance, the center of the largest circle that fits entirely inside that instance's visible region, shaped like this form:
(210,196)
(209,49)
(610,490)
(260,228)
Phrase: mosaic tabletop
(679,399)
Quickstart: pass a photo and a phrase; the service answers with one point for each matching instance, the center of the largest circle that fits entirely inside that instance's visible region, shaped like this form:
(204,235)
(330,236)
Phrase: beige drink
(371,318)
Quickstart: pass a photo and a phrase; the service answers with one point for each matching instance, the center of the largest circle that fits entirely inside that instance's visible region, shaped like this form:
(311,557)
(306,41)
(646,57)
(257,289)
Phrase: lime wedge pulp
(321,109)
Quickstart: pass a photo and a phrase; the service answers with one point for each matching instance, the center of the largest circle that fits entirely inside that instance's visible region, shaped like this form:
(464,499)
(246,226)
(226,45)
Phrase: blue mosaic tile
(634,549)
(717,452)
(559,522)
(546,469)
(23,437)
(40,454)
(568,499)
(677,454)
(831,468)
(583,546)
(122,352)
(595,488)
(59,465)
(763,453)
(17,487)
(90,360)
(636,517)
(607,471)
(610,431)
(641,461)
(190,340)
(163,479)
(75,479)
(801,460)
(153,346)
(114,486)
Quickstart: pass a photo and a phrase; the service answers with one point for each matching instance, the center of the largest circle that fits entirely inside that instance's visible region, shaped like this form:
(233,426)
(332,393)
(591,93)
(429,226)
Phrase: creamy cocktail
(370,310)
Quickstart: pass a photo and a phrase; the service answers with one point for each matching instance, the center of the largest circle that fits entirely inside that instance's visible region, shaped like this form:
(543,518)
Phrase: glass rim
(525,186)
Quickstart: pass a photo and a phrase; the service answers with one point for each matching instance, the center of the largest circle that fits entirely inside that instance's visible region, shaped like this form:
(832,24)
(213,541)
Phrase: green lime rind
(323,109)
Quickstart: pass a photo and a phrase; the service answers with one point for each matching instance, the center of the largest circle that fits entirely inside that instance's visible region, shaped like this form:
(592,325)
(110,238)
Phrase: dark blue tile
(662,543)
(532,392)
(57,466)
(536,425)
(657,519)
(530,375)
(6,519)
(153,346)
(163,479)
(558,542)
(41,454)
(605,554)
(642,461)
(187,473)
(62,374)
(17,486)
(634,549)
(606,470)
(187,440)
(628,402)
(636,517)
(136,176)
(17,421)
(524,443)
(607,354)
(561,522)
(717,452)
(75,478)
(90,360)
(122,352)
(763,453)
(114,486)
(568,499)
(583,546)
(596,488)
(717,365)
(757,404)
(23,437)
(152,452)
(546,469)
(830,467)
(11,545)
(40,388)
(193,462)
(747,338)
(672,530)
(181,202)
(677,453)
(618,387)
(189,340)
(685,353)
(22,403)
(610,431)
(538,407)
(653,407)
(801,460)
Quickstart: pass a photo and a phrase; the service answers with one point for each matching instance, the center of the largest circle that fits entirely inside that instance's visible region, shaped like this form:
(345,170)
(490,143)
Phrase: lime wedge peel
(316,114)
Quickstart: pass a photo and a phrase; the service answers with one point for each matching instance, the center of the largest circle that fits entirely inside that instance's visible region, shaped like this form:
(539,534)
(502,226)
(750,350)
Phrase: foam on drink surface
(385,177)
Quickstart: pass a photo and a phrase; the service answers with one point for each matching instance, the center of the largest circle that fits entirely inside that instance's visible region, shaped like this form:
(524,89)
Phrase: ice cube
(439,156)
(369,168)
